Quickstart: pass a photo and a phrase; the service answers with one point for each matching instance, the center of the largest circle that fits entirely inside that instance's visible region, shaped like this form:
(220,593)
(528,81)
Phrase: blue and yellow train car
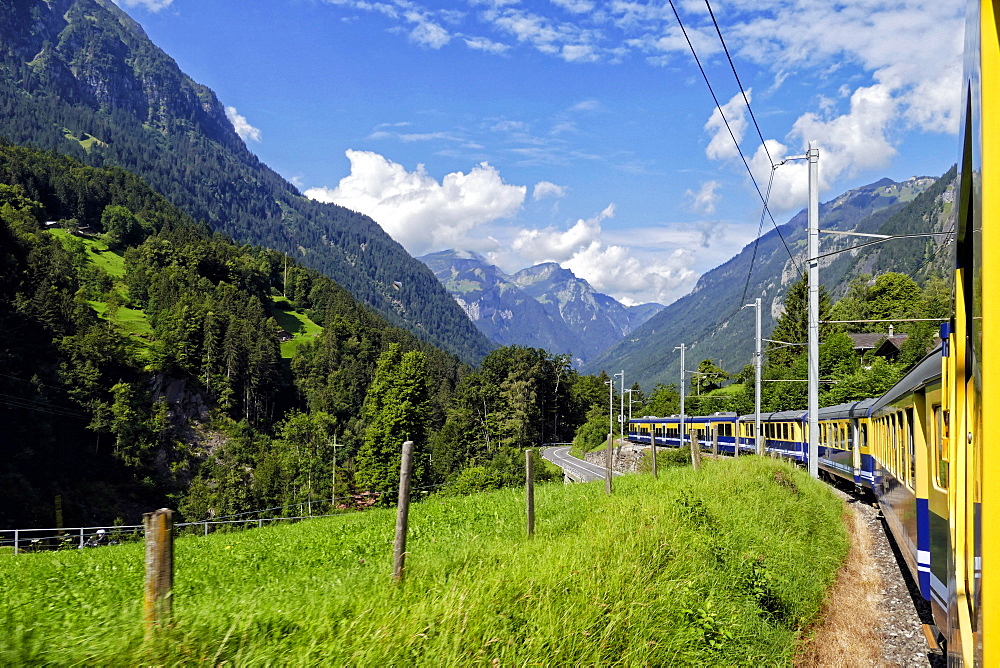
(783,433)
(906,437)
(713,431)
(843,445)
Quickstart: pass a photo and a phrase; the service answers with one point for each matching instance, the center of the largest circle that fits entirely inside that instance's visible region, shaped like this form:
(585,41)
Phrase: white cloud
(418,211)
(609,268)
(575,6)
(705,199)
(151,5)
(586,105)
(243,128)
(545,189)
(615,271)
(429,34)
(552,245)
(485,44)
(734,113)
(850,143)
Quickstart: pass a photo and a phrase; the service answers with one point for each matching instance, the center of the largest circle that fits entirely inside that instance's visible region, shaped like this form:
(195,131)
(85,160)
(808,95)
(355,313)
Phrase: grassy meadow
(296,323)
(724,566)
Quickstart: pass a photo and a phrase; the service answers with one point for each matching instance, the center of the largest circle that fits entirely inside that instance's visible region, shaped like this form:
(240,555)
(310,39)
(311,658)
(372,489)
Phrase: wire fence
(73,538)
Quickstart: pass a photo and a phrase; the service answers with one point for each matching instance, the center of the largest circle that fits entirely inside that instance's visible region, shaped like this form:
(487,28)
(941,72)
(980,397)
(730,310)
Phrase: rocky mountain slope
(710,321)
(544,306)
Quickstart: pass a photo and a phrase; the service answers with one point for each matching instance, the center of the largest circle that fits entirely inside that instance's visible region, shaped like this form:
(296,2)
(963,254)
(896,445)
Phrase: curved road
(575,468)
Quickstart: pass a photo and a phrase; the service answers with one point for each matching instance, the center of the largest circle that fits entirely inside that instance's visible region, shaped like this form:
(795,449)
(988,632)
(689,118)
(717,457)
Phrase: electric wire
(739,83)
(732,134)
(756,242)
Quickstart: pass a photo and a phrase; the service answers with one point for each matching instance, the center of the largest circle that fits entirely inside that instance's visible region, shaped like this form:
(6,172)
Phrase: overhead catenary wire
(732,134)
(739,83)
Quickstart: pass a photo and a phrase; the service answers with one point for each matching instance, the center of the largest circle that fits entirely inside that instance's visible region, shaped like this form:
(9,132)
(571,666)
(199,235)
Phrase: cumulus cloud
(849,143)
(553,245)
(151,5)
(243,128)
(614,269)
(704,200)
(418,211)
(734,113)
(545,189)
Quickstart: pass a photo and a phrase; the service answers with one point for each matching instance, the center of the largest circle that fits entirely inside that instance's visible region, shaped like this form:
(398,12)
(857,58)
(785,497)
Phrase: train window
(912,446)
(894,454)
(940,446)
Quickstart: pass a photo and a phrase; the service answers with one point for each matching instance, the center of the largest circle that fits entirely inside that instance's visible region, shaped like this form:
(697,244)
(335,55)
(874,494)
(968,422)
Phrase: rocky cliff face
(544,306)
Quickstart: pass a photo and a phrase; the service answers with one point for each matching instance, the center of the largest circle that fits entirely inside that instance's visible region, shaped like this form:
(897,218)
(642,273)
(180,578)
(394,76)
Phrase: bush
(471,480)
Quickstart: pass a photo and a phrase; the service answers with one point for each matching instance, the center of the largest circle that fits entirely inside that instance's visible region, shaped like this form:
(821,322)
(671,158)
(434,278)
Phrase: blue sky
(575,131)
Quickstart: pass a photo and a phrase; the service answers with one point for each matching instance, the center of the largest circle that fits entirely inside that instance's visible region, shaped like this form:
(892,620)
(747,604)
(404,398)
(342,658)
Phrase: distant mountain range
(710,321)
(544,306)
(82,78)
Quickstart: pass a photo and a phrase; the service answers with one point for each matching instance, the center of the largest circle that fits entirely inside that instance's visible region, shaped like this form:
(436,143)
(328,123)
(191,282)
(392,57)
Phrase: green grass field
(724,566)
(295,323)
(98,252)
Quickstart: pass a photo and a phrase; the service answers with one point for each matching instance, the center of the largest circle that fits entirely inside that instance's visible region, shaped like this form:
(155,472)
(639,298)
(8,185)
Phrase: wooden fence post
(695,450)
(402,512)
(607,466)
(158,601)
(715,441)
(529,490)
(652,445)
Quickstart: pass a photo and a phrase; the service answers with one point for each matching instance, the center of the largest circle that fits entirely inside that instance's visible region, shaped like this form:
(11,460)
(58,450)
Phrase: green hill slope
(81,77)
(141,361)
(721,567)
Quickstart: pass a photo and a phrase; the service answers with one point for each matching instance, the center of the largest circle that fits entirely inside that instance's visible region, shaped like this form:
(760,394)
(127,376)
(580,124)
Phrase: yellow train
(925,448)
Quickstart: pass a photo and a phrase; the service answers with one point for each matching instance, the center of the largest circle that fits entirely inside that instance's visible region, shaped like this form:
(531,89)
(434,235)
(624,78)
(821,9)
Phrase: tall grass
(718,567)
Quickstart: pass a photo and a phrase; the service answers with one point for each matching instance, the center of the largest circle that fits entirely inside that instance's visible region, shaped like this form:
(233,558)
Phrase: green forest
(143,365)
(148,117)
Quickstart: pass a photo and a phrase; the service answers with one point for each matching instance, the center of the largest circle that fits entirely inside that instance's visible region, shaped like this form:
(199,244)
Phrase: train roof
(851,409)
(714,417)
(926,371)
(777,416)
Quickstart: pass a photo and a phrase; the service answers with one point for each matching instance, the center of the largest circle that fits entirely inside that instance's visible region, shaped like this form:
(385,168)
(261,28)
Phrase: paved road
(576,468)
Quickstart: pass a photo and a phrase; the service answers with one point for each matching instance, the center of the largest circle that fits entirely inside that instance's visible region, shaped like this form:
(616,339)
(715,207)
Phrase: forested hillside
(81,77)
(142,367)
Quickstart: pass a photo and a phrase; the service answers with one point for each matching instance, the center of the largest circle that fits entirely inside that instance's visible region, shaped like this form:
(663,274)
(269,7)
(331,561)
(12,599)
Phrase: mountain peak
(82,78)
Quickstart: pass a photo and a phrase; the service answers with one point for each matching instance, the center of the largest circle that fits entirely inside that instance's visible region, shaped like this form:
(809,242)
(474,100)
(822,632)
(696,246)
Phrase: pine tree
(395,411)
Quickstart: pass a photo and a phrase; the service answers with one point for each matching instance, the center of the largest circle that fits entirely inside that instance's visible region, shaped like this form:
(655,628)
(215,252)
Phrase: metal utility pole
(812,228)
(621,409)
(682,348)
(757,361)
(813,225)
